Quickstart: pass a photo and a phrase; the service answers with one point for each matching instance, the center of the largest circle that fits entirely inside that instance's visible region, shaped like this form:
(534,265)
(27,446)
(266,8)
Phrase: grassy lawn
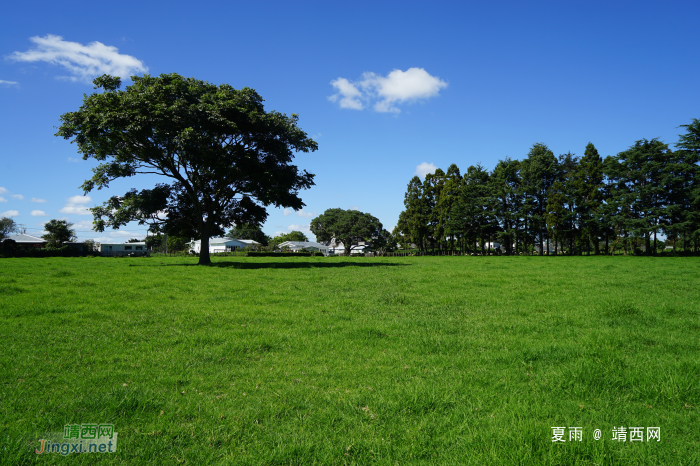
(425,360)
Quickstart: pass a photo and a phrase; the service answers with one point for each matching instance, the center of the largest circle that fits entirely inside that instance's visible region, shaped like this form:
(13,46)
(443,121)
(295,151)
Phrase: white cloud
(348,95)
(297,227)
(84,62)
(387,91)
(76,205)
(71,159)
(10,213)
(2,199)
(8,83)
(124,234)
(300,213)
(38,199)
(3,190)
(38,213)
(355,207)
(424,168)
(83,225)
(19,197)
(103,239)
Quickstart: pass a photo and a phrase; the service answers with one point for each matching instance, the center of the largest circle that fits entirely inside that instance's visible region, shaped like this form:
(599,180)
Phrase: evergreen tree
(504,195)
(539,171)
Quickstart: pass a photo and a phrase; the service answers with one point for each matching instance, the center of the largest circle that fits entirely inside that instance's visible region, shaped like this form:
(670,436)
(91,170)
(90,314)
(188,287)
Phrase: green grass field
(301,361)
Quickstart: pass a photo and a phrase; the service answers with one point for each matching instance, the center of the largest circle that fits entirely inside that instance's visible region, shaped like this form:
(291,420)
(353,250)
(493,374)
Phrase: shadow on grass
(281,265)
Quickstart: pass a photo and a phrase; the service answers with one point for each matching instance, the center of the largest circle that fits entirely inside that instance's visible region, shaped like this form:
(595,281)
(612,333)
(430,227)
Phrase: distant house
(296,246)
(122,249)
(337,247)
(27,241)
(251,243)
(76,245)
(223,244)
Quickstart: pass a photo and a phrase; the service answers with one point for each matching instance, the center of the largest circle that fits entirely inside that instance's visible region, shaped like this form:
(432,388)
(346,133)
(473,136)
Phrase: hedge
(284,254)
(10,250)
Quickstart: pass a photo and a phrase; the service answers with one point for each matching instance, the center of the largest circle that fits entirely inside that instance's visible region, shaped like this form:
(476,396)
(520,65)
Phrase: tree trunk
(204,258)
(647,243)
(607,237)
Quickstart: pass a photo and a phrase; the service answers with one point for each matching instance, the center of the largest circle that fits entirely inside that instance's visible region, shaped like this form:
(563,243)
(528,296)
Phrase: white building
(223,245)
(296,246)
(337,247)
(122,249)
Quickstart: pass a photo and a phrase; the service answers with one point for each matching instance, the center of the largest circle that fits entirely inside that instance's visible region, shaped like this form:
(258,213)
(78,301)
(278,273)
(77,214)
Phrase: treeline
(567,204)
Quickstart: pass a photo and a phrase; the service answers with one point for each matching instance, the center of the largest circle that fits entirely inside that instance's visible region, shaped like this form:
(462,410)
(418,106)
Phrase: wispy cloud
(124,234)
(303,227)
(388,91)
(73,160)
(2,199)
(83,62)
(347,95)
(83,225)
(38,199)
(38,213)
(76,205)
(10,213)
(300,213)
(19,197)
(3,190)
(8,83)
(424,168)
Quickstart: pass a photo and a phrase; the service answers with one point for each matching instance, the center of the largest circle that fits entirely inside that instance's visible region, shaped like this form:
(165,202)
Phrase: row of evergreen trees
(577,204)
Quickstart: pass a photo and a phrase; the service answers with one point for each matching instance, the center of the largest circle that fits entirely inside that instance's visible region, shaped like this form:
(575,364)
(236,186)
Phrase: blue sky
(424,85)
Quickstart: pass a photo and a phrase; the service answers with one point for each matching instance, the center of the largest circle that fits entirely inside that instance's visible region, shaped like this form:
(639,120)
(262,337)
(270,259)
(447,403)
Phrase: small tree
(90,245)
(348,226)
(57,232)
(7,227)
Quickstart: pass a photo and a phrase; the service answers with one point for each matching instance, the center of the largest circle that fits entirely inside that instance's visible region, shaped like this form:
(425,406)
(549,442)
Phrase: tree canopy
(58,231)
(346,226)
(226,157)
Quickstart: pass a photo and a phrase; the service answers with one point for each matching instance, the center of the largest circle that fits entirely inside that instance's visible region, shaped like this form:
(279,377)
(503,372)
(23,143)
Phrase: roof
(248,241)
(22,238)
(124,244)
(302,244)
(220,241)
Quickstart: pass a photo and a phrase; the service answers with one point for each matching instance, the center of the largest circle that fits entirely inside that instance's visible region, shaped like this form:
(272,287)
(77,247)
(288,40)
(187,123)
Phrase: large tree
(641,176)
(348,226)
(57,232)
(686,192)
(226,157)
